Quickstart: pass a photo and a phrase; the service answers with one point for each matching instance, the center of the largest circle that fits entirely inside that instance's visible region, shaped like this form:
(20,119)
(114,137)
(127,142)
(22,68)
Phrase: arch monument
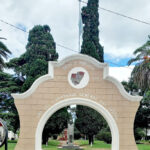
(78,79)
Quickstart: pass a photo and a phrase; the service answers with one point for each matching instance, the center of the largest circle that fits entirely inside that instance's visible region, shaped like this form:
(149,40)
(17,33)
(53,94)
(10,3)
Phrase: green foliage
(141,75)
(90,17)
(28,67)
(77,134)
(7,83)
(104,135)
(139,134)
(142,51)
(18,65)
(36,69)
(89,122)
(33,63)
(142,115)
(130,86)
(141,71)
(40,44)
(56,124)
(4,52)
(52,145)
(8,112)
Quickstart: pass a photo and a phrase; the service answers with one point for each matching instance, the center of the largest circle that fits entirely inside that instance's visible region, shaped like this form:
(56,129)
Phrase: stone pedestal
(70,138)
(74,147)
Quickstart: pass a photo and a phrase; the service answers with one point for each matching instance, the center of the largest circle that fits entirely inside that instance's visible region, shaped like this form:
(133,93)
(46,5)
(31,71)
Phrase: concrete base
(71,147)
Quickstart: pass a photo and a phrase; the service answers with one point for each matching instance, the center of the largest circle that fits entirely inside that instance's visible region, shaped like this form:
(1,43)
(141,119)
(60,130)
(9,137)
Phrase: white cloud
(121,73)
(119,36)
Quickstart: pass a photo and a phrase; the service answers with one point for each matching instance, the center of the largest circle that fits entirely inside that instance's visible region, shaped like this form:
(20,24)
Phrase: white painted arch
(79,101)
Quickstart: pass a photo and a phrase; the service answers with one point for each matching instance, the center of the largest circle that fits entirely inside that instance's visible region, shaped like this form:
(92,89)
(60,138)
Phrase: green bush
(77,134)
(139,134)
(104,135)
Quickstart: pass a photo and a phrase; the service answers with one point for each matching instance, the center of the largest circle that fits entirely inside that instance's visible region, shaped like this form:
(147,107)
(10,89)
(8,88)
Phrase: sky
(119,36)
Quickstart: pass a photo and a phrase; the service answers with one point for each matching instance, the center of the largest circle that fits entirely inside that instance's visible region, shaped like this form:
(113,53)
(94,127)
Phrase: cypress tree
(90,17)
(91,47)
(33,63)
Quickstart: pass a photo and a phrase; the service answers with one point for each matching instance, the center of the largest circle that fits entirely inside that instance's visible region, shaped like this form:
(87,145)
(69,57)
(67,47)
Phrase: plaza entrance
(80,80)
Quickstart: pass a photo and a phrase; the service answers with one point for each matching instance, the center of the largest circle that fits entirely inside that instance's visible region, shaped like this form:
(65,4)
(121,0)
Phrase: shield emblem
(76,78)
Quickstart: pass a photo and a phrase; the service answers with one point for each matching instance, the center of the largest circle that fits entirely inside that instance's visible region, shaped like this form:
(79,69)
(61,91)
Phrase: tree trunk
(44,139)
(146,134)
(91,140)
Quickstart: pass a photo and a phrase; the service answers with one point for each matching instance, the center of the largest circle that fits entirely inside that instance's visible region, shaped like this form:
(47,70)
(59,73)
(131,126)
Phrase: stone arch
(79,101)
(101,89)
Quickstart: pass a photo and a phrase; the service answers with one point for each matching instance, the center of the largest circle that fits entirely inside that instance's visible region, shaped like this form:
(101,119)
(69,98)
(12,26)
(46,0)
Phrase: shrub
(139,134)
(104,135)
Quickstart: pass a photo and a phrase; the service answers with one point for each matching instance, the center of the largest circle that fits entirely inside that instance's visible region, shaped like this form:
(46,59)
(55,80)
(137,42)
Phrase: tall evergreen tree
(90,46)
(33,63)
(89,122)
(90,17)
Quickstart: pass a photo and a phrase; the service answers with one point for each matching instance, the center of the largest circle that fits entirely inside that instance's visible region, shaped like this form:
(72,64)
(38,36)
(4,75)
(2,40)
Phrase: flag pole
(79,24)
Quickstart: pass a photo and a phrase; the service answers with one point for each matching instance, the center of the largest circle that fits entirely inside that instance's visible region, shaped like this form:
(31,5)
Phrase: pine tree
(90,17)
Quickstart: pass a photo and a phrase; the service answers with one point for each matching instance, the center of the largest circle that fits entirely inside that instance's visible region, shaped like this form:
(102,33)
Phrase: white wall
(11,135)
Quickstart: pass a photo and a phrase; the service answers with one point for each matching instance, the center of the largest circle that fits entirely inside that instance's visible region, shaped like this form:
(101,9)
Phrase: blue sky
(21,26)
(113,62)
(119,36)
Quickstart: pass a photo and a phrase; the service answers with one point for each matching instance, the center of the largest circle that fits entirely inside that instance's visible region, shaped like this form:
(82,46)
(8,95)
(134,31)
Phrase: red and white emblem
(78,77)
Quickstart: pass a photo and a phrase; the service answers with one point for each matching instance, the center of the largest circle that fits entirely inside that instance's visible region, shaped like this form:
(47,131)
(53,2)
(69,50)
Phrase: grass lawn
(143,147)
(11,145)
(52,145)
(96,145)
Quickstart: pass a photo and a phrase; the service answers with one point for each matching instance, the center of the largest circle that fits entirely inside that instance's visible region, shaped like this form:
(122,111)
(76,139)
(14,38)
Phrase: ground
(98,145)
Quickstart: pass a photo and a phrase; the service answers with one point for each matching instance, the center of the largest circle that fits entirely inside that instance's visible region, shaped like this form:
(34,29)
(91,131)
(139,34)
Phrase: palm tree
(141,71)
(3,54)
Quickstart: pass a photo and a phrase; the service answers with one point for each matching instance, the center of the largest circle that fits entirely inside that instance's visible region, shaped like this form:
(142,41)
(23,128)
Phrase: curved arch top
(86,58)
(80,57)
